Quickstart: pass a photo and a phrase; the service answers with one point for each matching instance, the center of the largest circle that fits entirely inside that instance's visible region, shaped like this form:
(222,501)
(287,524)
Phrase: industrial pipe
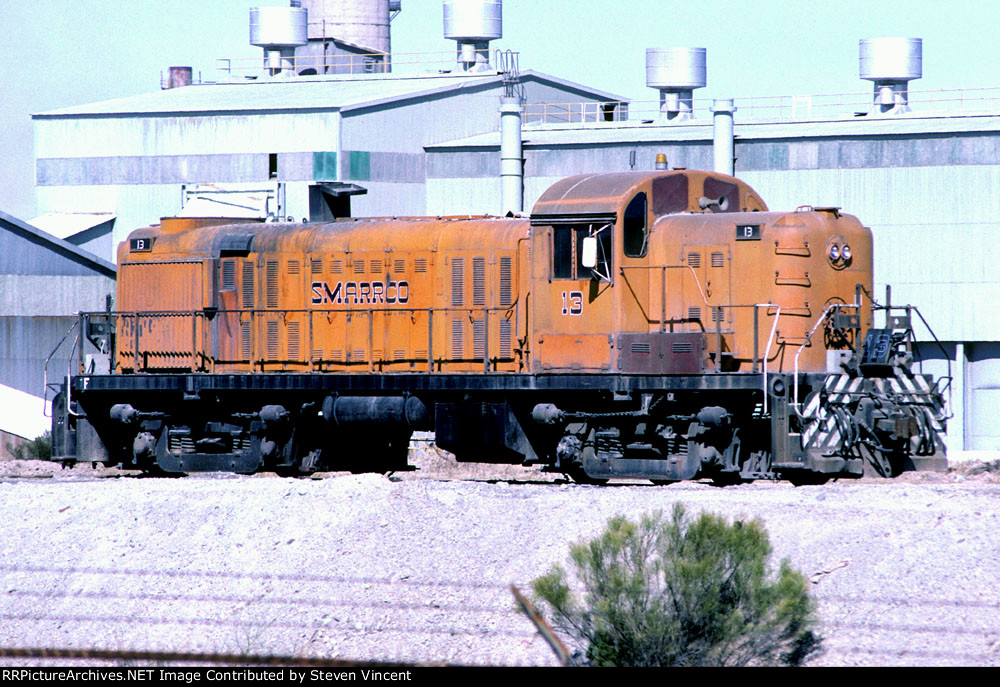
(722,136)
(511,165)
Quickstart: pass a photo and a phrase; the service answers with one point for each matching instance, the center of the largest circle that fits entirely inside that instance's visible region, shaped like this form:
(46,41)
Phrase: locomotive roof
(601,195)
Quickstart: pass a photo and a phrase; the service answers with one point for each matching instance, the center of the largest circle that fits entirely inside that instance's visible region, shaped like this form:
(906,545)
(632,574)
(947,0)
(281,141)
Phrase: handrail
(45,367)
(442,61)
(767,108)
(819,320)
(770,339)
(201,360)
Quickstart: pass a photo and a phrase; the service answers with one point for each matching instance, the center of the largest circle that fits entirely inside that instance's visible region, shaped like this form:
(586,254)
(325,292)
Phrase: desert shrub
(39,448)
(679,591)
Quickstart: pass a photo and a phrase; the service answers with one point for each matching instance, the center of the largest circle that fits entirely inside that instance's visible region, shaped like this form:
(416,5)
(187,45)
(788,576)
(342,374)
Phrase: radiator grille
(479,281)
(272,340)
(694,260)
(478,339)
(359,267)
(420,265)
(506,339)
(294,267)
(718,260)
(694,313)
(457,339)
(505,281)
(337,266)
(457,282)
(681,347)
(272,284)
(248,272)
(399,266)
(717,314)
(376,266)
(293,340)
(640,347)
(228,274)
(245,340)
(316,266)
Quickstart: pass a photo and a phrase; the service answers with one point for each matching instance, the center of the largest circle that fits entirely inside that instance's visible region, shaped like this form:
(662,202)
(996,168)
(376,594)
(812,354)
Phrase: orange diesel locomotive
(657,325)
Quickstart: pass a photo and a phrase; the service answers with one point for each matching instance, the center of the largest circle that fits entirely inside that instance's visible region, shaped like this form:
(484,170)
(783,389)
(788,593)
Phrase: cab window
(567,251)
(634,222)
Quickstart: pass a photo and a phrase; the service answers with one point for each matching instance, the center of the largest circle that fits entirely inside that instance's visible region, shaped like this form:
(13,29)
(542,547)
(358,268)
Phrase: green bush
(682,592)
(39,448)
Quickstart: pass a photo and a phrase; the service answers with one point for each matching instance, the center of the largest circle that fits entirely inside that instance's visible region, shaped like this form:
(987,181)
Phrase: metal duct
(723,151)
(511,167)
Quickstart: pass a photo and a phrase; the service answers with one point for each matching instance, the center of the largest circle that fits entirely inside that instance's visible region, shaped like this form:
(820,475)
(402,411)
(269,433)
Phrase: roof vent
(473,24)
(891,63)
(676,72)
(278,30)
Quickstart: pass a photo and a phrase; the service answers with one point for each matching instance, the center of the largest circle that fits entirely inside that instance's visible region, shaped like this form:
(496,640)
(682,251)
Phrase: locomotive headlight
(845,252)
(835,252)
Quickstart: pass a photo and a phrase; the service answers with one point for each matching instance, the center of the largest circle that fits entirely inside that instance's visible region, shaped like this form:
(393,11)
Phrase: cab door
(573,306)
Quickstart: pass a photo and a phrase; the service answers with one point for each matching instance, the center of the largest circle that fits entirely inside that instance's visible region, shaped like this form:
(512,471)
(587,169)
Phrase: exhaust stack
(676,72)
(890,64)
(473,24)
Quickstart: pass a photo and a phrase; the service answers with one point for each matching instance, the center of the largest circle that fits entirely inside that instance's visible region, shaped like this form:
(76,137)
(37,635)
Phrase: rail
(768,108)
(440,62)
(201,339)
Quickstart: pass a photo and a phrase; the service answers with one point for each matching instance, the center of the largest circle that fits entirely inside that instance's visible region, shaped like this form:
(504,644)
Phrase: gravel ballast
(402,568)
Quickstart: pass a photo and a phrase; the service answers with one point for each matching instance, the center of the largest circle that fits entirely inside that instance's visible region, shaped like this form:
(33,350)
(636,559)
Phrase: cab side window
(567,250)
(636,236)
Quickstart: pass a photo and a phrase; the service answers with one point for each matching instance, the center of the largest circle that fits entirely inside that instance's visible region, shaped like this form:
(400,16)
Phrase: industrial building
(328,122)
(44,283)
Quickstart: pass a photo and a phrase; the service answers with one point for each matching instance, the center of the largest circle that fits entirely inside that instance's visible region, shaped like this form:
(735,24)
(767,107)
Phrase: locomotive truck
(649,325)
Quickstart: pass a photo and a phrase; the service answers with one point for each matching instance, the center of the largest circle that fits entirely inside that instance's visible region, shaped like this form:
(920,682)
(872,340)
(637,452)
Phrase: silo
(363,23)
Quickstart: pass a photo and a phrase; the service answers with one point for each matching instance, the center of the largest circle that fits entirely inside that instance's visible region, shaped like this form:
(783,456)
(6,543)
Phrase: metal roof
(63,225)
(701,130)
(310,93)
(64,248)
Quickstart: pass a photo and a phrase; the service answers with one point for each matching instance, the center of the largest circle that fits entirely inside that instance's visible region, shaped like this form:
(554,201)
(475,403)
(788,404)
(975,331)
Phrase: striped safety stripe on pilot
(909,390)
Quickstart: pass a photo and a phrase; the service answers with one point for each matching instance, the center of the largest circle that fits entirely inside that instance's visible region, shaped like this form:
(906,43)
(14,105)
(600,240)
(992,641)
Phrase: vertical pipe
(722,136)
(511,169)
(338,143)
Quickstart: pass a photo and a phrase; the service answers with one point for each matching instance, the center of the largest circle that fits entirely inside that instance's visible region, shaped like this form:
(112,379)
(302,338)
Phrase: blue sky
(59,53)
